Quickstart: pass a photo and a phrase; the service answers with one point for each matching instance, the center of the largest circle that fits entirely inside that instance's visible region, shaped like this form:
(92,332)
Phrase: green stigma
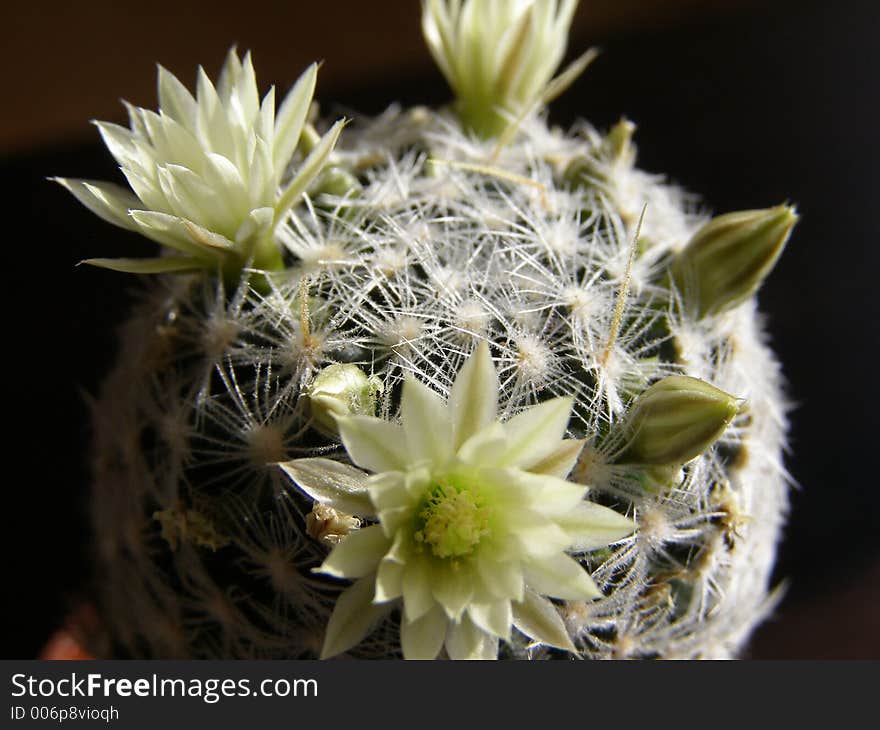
(454,520)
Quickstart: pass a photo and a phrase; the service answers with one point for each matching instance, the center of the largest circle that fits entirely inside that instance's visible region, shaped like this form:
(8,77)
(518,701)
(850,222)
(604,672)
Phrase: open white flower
(207,172)
(497,55)
(475,520)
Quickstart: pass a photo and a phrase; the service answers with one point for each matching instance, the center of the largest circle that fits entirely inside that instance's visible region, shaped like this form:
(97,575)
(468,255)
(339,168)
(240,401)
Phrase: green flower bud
(676,420)
(342,390)
(619,144)
(728,258)
(616,150)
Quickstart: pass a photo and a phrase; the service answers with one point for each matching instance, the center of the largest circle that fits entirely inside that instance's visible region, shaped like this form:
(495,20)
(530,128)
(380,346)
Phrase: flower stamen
(454,521)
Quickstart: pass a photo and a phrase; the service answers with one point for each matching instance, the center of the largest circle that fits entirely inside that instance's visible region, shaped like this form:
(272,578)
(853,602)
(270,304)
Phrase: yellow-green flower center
(453,520)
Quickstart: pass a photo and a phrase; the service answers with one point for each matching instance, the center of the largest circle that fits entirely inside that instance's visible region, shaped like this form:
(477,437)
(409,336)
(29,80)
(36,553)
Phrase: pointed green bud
(676,420)
(728,258)
(342,390)
(616,150)
(619,144)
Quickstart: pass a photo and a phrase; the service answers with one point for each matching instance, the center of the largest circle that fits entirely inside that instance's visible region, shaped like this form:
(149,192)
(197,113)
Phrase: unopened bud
(676,420)
(729,258)
(328,525)
(342,390)
(619,143)
(615,150)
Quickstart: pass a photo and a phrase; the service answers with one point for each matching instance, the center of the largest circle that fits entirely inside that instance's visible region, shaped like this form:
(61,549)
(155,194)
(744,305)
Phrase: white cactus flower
(208,172)
(475,520)
(497,55)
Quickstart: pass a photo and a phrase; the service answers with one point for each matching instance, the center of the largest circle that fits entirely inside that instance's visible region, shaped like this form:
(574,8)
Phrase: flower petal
(494,618)
(538,619)
(307,172)
(560,576)
(159,265)
(593,526)
(464,640)
(561,460)
(417,598)
(353,618)
(487,446)
(426,423)
(423,638)
(358,554)
(169,231)
(452,585)
(175,99)
(474,395)
(389,581)
(549,495)
(536,433)
(291,117)
(373,444)
(106,200)
(502,578)
(388,490)
(339,485)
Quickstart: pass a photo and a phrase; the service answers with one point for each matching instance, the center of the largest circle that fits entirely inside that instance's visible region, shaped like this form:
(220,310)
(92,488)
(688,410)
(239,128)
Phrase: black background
(777,104)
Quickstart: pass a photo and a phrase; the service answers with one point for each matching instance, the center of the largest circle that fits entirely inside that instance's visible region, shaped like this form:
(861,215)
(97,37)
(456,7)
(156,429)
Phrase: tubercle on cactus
(415,245)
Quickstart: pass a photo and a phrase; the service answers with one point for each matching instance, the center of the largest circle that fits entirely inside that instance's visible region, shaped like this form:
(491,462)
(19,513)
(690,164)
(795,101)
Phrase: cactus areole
(443,383)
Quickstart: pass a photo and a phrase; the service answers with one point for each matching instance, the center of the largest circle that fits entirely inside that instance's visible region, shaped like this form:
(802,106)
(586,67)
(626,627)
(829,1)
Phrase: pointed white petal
(120,141)
(225,179)
(169,231)
(290,119)
(494,618)
(538,619)
(389,581)
(204,238)
(464,640)
(357,554)
(246,89)
(502,578)
(255,225)
(592,526)
(175,99)
(426,423)
(307,171)
(560,576)
(265,122)
(537,432)
(373,444)
(474,396)
(487,446)
(339,485)
(549,495)
(561,460)
(388,490)
(106,200)
(417,597)
(229,74)
(423,638)
(353,618)
(452,586)
(162,265)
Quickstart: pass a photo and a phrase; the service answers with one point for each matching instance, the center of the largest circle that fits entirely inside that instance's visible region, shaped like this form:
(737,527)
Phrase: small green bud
(676,420)
(615,150)
(728,258)
(337,181)
(342,390)
(619,144)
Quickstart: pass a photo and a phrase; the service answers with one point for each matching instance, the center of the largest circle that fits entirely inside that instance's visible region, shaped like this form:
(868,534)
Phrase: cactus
(582,380)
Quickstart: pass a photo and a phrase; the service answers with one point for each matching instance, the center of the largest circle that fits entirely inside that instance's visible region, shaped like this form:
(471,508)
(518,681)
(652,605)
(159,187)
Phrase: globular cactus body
(550,246)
